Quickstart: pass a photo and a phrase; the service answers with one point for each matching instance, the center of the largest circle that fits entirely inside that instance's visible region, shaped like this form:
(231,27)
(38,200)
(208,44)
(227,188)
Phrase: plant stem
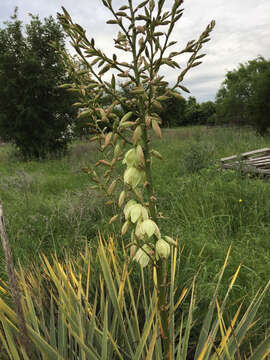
(161,264)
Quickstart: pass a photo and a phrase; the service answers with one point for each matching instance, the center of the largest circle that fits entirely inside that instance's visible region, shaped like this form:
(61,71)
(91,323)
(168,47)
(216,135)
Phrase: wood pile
(257,161)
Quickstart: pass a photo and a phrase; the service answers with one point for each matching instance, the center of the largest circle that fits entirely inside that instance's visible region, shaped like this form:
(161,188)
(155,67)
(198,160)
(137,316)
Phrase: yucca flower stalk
(144,36)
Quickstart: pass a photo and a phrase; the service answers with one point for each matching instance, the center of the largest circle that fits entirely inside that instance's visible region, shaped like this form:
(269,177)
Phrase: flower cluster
(145,234)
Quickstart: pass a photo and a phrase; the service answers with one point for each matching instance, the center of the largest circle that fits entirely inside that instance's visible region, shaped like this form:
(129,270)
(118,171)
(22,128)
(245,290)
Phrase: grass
(49,207)
(47,204)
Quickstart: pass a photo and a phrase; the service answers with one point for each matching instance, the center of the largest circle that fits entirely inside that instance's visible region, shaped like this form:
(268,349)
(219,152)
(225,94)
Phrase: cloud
(242,32)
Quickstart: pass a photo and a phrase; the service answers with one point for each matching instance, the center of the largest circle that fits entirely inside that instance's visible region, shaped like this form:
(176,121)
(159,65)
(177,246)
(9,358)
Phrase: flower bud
(121,198)
(131,158)
(133,176)
(117,150)
(149,227)
(142,256)
(127,208)
(125,227)
(135,212)
(163,249)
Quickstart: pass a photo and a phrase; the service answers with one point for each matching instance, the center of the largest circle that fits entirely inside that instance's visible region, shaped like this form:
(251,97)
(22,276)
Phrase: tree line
(38,116)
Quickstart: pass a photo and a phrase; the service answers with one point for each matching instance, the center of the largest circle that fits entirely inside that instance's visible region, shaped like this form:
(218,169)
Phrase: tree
(259,102)
(208,110)
(173,113)
(34,113)
(192,111)
(244,95)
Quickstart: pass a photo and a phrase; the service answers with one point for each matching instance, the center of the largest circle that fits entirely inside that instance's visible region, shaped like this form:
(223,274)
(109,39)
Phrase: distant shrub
(196,157)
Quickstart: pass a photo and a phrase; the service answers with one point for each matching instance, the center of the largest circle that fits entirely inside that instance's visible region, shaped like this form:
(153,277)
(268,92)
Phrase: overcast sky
(242,32)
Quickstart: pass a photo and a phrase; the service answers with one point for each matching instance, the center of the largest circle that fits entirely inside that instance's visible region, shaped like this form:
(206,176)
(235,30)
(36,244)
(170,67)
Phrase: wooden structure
(257,161)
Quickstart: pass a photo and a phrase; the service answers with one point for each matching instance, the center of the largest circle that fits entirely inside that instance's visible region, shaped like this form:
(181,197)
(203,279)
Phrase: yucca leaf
(89,350)
(91,324)
(31,312)
(81,321)
(113,294)
(262,350)
(180,341)
(25,356)
(145,333)
(203,338)
(10,343)
(48,352)
(52,324)
(3,340)
(134,308)
(105,335)
(226,336)
(149,354)
(5,309)
(246,321)
(185,339)
(62,335)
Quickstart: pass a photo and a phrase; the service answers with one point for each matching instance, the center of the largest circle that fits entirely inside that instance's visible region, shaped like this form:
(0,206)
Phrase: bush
(196,157)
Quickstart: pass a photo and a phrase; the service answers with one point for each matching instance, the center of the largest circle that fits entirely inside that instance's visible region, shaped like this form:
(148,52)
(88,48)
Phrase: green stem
(161,264)
(162,306)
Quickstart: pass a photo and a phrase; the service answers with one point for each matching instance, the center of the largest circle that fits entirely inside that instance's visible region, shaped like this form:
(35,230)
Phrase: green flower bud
(149,227)
(163,249)
(127,208)
(131,158)
(142,256)
(133,176)
(117,150)
(135,212)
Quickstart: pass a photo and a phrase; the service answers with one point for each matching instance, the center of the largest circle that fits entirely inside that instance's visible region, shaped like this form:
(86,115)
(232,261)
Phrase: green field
(49,207)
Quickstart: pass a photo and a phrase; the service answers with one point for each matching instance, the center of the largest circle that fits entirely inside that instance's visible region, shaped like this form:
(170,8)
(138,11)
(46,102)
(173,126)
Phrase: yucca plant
(77,310)
(145,30)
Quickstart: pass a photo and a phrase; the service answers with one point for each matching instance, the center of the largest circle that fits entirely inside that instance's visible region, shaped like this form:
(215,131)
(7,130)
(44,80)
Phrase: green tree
(259,102)
(244,95)
(34,113)
(208,110)
(192,111)
(173,113)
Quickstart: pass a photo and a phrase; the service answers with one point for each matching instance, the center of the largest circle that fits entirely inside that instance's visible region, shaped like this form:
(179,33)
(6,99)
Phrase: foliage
(259,102)
(71,313)
(192,111)
(208,110)
(173,113)
(34,113)
(198,114)
(243,98)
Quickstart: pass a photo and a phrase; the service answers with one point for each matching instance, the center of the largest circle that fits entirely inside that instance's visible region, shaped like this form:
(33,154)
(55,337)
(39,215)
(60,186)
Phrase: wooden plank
(258,158)
(264,150)
(246,154)
(228,158)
